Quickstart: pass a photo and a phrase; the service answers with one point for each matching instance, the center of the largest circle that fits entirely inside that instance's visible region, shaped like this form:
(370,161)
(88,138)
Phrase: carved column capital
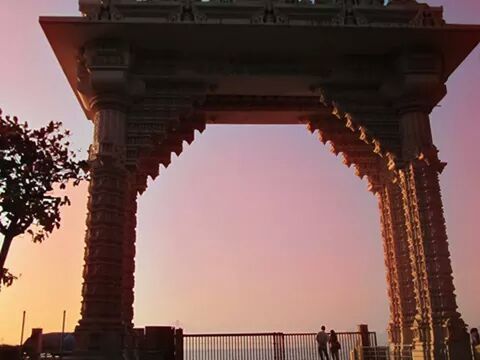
(415,133)
(417,82)
(104,79)
(416,140)
(106,89)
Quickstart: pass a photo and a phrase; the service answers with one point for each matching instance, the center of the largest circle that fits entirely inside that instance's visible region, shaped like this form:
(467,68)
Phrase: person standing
(322,341)
(475,339)
(334,345)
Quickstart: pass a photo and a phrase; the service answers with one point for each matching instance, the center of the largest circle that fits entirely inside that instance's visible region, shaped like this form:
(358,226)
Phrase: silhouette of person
(475,339)
(322,341)
(334,345)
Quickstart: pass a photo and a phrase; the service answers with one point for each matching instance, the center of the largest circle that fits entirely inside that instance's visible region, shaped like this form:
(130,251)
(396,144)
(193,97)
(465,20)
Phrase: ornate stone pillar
(438,330)
(105,87)
(397,261)
(107,293)
(128,280)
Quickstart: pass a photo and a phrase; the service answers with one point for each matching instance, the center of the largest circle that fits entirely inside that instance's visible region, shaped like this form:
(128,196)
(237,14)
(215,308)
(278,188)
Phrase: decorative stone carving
(348,15)
(427,238)
(103,77)
(353,141)
(128,264)
(109,137)
(158,126)
(147,94)
(334,12)
(426,17)
(99,9)
(106,318)
(397,261)
(188,12)
(101,329)
(269,15)
(106,328)
(91,8)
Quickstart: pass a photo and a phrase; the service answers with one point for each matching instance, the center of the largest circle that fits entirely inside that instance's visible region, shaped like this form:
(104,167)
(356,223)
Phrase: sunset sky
(252,228)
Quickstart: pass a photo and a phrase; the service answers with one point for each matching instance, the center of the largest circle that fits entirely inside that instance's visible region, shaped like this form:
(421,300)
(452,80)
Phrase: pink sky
(252,228)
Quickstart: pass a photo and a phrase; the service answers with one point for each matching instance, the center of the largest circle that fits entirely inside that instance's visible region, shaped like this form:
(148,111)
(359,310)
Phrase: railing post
(278,346)
(63,334)
(178,344)
(139,342)
(36,341)
(21,334)
(159,343)
(364,336)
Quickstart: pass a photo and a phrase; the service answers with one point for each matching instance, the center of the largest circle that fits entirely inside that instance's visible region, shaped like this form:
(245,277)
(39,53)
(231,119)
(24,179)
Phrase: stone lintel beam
(216,102)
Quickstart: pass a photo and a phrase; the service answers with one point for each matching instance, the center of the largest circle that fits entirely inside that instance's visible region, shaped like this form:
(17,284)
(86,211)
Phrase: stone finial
(90,8)
(99,9)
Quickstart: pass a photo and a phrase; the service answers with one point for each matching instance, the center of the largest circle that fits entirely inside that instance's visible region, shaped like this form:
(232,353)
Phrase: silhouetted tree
(32,163)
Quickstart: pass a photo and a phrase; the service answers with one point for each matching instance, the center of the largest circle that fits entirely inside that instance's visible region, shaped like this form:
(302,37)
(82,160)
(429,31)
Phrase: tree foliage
(33,162)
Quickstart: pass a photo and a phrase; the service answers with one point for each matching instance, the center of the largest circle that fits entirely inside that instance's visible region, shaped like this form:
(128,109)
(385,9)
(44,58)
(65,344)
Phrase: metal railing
(393,352)
(376,353)
(264,346)
(401,352)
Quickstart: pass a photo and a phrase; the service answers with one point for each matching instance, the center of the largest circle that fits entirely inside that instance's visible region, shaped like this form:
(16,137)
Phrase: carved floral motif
(334,12)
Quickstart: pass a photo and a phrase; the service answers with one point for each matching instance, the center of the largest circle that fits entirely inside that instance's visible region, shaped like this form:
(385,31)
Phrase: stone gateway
(362,74)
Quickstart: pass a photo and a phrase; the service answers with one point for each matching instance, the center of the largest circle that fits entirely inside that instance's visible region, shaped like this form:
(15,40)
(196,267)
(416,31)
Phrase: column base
(458,350)
(457,343)
(400,341)
(423,352)
(85,355)
(89,356)
(102,342)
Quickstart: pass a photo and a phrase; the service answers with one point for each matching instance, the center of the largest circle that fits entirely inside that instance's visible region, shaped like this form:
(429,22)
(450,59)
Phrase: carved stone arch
(148,81)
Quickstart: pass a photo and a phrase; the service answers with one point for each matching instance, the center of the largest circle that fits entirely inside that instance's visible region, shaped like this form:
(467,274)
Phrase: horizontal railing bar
(263,334)
(338,333)
(231,334)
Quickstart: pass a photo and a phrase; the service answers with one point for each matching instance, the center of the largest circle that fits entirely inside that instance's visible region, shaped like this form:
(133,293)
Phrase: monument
(363,74)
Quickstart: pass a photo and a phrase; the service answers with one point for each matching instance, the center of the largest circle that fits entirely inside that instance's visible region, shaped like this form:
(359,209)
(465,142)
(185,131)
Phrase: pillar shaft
(106,315)
(438,328)
(397,261)
(128,281)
